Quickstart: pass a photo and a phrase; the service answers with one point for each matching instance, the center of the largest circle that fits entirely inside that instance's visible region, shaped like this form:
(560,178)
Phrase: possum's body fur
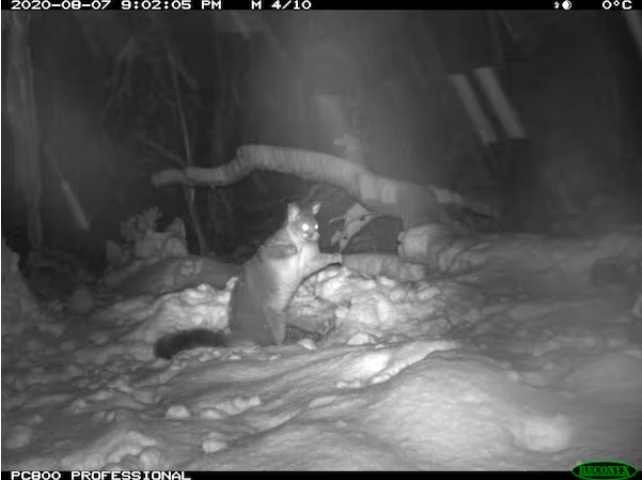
(264,289)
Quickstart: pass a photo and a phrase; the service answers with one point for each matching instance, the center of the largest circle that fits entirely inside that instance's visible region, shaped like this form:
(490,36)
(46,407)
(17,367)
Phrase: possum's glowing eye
(316,226)
(305,227)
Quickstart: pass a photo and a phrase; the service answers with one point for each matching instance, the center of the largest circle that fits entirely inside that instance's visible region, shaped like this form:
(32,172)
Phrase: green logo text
(604,470)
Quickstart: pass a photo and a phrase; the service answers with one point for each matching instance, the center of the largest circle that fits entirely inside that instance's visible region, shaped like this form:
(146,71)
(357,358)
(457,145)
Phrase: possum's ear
(316,206)
(293,212)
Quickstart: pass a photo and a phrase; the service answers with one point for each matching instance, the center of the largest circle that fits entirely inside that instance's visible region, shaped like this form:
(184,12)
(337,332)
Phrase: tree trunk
(21,109)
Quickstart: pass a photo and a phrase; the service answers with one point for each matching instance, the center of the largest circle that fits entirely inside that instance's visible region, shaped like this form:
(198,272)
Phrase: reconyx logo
(604,470)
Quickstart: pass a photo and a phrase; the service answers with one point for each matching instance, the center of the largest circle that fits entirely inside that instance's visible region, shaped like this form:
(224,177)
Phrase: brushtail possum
(265,287)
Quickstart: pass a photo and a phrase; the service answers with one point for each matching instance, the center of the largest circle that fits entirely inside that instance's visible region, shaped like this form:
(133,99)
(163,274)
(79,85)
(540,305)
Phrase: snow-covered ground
(429,375)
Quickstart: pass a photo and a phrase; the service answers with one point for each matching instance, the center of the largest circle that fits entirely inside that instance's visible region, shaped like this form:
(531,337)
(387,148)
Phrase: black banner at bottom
(203,475)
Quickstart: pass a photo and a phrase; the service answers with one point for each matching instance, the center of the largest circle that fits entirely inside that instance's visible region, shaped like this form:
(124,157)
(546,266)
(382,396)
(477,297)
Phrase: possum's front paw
(335,258)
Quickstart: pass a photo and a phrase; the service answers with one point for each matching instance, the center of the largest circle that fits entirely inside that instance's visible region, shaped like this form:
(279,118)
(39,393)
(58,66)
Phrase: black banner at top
(561,6)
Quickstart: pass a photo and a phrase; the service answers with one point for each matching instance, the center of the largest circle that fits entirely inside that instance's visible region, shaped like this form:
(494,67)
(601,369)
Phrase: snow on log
(414,204)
